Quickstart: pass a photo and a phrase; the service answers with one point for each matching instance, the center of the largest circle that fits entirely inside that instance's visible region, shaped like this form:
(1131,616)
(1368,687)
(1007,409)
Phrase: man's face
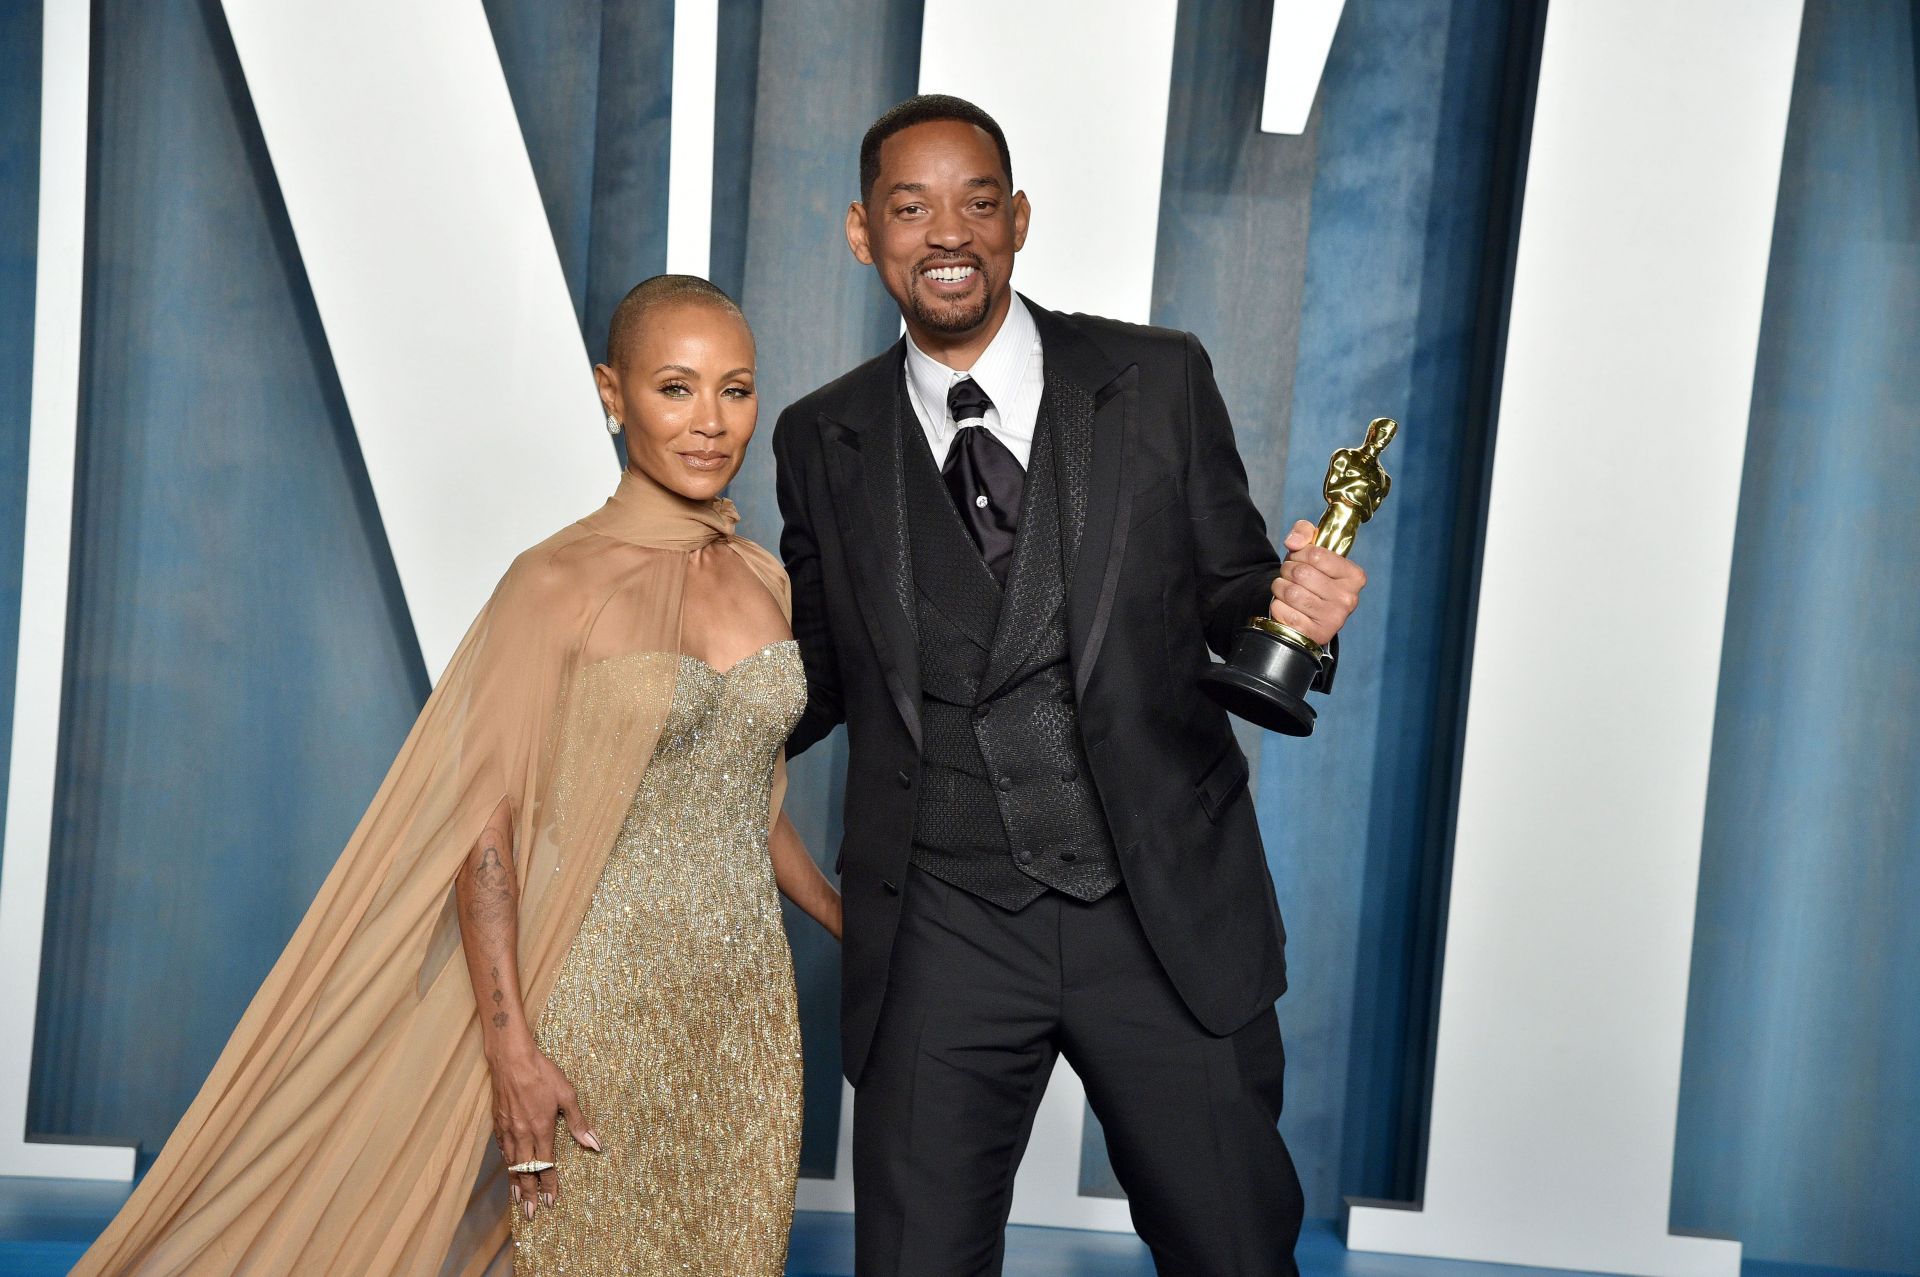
(941,227)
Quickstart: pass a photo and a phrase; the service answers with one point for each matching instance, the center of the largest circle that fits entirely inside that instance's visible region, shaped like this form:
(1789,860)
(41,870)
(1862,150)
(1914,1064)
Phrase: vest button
(1066,696)
(1023,857)
(980,711)
(903,780)
(1006,784)
(1068,775)
(1069,856)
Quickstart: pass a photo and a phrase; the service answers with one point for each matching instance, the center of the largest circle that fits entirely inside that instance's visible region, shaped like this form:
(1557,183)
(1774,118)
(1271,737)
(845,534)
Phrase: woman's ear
(611,400)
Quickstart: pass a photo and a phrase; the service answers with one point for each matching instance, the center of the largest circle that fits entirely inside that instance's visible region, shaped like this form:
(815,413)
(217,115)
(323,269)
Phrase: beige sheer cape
(346,1128)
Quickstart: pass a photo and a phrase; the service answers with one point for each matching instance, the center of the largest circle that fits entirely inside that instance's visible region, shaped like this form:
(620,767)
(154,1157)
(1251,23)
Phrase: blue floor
(46,1224)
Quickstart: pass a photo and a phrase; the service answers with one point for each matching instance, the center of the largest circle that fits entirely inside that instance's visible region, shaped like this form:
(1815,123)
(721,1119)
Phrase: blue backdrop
(19,220)
(241,667)
(1800,1099)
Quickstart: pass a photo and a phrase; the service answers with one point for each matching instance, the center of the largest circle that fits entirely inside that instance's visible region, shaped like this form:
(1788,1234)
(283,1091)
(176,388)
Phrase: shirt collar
(1000,370)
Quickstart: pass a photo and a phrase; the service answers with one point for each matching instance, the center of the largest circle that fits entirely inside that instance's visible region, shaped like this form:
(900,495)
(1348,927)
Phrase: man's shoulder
(1126,342)
(842,390)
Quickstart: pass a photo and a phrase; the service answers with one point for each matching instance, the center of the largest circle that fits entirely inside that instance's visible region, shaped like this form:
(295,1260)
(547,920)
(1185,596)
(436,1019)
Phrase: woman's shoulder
(576,565)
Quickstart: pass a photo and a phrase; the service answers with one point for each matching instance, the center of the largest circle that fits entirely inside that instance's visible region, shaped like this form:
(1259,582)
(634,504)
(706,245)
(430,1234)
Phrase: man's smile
(949,278)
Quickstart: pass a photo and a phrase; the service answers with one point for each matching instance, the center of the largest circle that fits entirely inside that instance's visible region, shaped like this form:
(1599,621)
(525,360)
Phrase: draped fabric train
(345,1128)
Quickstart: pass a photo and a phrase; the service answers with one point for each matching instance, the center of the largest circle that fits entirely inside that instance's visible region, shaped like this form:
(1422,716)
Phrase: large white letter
(433,266)
(1655,161)
(1297,50)
(696,52)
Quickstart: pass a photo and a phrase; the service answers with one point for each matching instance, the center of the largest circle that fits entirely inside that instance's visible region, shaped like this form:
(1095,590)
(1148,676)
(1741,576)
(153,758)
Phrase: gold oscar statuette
(1271,666)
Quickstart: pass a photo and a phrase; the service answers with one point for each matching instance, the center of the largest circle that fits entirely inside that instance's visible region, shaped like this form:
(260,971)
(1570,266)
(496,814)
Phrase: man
(1013,538)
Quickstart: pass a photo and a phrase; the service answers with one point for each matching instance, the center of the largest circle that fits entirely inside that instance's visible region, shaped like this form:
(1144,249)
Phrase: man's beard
(953,317)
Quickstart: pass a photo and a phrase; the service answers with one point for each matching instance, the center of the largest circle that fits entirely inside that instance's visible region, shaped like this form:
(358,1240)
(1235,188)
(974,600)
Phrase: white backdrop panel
(696,52)
(1297,48)
(408,185)
(1655,161)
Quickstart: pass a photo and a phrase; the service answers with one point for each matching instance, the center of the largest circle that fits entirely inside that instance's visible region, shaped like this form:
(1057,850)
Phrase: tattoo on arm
(489,919)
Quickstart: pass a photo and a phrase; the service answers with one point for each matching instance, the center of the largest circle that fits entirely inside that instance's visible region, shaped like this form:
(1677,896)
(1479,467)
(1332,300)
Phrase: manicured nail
(527,1206)
(514,1191)
(546,1199)
(591,1140)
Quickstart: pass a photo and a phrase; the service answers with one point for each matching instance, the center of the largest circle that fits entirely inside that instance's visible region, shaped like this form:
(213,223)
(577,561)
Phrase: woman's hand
(799,879)
(529,1092)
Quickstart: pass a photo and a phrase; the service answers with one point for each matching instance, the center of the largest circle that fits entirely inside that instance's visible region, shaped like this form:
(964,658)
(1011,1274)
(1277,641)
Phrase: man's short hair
(648,293)
(925,109)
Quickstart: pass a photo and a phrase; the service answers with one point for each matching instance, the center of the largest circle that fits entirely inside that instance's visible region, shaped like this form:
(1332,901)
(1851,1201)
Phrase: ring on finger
(530,1168)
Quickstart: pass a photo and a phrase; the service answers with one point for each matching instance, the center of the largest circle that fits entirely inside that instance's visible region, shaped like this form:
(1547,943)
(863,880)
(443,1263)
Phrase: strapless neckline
(754,655)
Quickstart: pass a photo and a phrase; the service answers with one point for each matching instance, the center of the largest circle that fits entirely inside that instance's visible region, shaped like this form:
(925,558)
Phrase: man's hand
(1316,590)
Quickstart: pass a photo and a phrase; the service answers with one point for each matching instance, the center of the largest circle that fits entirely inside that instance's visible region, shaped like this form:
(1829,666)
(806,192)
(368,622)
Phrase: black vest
(1006,808)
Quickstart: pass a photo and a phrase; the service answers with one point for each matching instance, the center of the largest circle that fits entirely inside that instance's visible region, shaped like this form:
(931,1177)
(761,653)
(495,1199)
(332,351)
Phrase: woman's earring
(613,425)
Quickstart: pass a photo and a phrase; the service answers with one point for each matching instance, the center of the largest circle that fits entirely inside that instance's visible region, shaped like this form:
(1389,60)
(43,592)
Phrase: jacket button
(1006,784)
(903,780)
(979,712)
(1023,857)
(1069,856)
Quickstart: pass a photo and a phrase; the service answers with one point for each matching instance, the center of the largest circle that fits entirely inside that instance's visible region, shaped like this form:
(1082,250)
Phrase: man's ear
(1021,212)
(857,233)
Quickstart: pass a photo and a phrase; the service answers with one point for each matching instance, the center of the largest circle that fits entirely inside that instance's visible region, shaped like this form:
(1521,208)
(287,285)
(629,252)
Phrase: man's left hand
(1317,589)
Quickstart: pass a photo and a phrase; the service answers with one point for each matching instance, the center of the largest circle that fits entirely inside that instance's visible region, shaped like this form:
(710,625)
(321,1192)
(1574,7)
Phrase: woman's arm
(799,879)
(528,1089)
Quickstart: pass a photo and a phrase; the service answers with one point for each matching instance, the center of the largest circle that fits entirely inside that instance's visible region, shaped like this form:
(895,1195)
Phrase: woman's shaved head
(678,384)
(630,316)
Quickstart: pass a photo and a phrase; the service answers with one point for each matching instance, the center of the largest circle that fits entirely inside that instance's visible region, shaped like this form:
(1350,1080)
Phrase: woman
(583,808)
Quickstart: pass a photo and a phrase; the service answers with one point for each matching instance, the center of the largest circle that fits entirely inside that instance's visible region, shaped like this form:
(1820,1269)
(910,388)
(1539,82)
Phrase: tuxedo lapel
(867,477)
(1091,446)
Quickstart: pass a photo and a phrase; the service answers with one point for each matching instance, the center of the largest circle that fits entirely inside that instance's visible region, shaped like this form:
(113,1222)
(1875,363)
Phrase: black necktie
(983,477)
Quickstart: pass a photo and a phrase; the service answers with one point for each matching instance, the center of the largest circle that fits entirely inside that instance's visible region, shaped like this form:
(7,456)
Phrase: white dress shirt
(1009,370)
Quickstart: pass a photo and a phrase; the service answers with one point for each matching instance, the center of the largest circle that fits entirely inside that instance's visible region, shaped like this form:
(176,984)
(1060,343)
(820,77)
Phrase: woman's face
(683,388)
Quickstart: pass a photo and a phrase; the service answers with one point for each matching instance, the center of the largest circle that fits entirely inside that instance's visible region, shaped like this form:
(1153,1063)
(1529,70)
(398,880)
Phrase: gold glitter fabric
(674,1013)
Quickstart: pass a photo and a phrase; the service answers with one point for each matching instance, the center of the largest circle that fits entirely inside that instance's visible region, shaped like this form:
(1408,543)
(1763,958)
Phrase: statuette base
(1266,677)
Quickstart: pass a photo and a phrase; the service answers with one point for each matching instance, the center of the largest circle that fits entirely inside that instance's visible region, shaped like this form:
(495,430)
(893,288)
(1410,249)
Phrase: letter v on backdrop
(390,230)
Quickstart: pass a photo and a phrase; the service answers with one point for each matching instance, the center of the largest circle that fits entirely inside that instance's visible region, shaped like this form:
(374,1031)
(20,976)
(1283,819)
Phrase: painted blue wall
(592,85)
(242,669)
(1408,233)
(1800,1100)
(824,70)
(19,226)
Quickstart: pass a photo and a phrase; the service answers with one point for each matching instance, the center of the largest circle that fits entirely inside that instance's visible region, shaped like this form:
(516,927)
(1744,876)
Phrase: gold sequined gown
(674,1013)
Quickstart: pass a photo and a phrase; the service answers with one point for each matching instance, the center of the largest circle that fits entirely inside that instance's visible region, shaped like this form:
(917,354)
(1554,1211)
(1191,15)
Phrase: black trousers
(979,1002)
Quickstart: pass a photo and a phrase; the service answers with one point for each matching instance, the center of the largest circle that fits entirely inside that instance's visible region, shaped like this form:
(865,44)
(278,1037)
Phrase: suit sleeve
(1234,562)
(801,551)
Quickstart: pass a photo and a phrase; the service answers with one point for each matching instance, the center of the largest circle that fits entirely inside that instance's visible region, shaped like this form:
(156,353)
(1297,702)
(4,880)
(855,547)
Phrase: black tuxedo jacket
(1173,558)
